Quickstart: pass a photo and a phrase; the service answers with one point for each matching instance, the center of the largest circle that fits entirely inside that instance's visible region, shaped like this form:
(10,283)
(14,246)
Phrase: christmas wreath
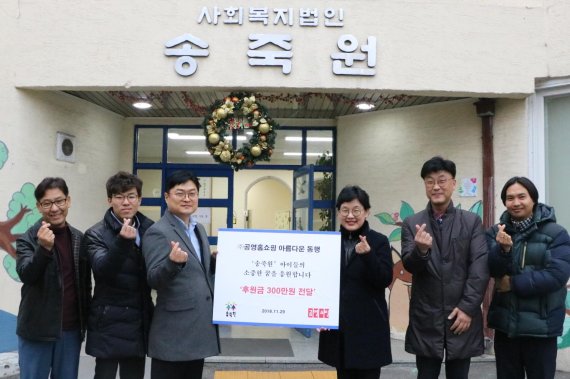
(238,111)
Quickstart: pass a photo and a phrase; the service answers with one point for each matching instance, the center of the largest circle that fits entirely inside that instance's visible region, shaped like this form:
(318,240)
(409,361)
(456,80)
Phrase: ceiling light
(308,154)
(142,105)
(195,137)
(190,152)
(365,106)
(319,139)
(309,139)
(185,136)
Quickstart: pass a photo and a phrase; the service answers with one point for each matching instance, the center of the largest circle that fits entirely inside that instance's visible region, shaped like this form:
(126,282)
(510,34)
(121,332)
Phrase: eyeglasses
(130,197)
(47,204)
(181,195)
(344,212)
(441,182)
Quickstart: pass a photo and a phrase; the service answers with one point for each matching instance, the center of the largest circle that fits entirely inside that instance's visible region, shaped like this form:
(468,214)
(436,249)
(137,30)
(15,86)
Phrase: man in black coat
(120,312)
(55,291)
(445,250)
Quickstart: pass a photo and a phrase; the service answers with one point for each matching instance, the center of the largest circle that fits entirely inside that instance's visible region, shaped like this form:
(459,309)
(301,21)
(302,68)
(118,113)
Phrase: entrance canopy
(303,105)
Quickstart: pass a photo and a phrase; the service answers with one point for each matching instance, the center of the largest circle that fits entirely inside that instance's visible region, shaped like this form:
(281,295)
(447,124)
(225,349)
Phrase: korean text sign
(277,278)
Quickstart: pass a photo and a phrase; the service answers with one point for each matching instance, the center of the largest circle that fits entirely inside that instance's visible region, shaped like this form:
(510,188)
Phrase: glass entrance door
(313,204)
(303,180)
(313,198)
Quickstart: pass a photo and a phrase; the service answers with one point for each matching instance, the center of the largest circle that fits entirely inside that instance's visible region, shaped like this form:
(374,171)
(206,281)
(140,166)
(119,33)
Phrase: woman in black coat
(361,345)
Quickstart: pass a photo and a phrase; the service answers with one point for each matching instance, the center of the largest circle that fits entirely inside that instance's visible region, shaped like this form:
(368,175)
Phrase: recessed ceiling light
(190,152)
(310,139)
(172,135)
(295,154)
(364,106)
(142,105)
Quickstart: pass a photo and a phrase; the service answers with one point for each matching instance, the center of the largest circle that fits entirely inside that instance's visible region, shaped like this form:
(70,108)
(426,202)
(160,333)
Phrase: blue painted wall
(8,338)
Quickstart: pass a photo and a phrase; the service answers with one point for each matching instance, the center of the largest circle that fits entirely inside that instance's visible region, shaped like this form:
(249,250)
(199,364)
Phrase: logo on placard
(318,312)
(231,309)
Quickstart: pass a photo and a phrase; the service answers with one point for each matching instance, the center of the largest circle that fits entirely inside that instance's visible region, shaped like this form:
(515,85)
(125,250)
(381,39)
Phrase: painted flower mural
(21,214)
(3,154)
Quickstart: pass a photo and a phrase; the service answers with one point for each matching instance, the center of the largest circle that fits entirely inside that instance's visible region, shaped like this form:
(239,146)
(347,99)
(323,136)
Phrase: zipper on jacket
(523,256)
(61,286)
(348,251)
(76,254)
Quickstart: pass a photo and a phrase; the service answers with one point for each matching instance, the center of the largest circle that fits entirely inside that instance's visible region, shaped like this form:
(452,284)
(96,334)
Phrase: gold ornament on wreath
(239,111)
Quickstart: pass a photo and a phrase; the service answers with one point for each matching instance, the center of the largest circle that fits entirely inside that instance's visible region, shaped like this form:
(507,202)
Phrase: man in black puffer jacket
(529,257)
(119,316)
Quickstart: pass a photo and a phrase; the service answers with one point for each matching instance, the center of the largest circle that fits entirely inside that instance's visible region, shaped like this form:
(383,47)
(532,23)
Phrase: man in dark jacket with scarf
(529,257)
(120,312)
(55,291)
(444,248)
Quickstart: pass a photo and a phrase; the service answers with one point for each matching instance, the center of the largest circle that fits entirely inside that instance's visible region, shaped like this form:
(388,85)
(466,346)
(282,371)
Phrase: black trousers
(347,373)
(129,368)
(429,368)
(533,355)
(176,370)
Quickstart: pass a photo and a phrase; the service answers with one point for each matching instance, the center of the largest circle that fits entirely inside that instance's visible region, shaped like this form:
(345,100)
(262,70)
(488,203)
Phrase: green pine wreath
(239,111)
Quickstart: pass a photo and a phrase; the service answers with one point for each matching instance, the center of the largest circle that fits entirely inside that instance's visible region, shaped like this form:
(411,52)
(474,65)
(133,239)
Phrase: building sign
(186,65)
(259,57)
(277,278)
(342,62)
(311,17)
(276,49)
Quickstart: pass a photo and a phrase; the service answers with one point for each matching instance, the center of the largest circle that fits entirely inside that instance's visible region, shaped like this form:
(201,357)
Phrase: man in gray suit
(180,267)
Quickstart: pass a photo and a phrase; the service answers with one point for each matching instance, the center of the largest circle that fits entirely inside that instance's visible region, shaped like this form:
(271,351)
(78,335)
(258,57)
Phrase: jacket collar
(450,209)
(115,224)
(542,214)
(354,234)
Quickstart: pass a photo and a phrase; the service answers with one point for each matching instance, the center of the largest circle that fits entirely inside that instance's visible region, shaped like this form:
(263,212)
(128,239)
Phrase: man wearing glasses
(445,250)
(55,291)
(119,315)
(181,269)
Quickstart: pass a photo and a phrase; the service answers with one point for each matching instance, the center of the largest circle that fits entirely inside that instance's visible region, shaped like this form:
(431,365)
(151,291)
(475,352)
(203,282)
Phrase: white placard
(277,278)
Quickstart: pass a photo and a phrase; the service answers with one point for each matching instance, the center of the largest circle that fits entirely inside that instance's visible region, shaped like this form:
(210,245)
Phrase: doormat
(275,375)
(256,347)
